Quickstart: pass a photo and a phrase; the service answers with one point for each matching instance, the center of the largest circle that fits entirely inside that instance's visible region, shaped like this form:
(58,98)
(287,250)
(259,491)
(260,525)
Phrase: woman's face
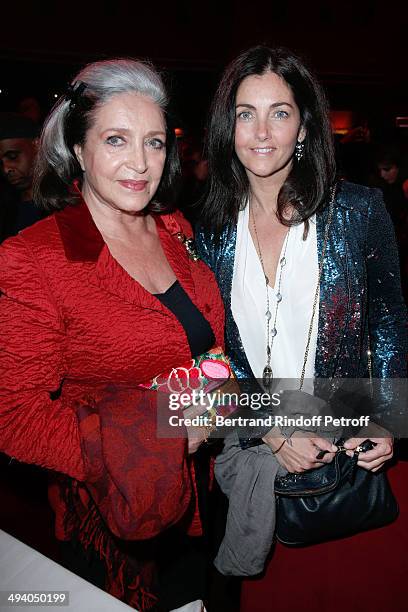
(267,126)
(124,153)
(388,172)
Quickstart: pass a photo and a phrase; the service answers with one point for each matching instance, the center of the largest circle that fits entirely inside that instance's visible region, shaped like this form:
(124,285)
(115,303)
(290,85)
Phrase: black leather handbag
(337,500)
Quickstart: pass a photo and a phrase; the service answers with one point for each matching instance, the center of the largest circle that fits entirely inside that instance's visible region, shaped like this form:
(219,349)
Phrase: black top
(198,331)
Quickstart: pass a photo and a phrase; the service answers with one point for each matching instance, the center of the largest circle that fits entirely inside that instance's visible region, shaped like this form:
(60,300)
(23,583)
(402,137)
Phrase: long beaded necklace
(267,374)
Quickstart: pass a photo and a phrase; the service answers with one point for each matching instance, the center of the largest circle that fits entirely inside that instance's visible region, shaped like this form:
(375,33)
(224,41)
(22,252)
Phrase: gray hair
(111,77)
(71,117)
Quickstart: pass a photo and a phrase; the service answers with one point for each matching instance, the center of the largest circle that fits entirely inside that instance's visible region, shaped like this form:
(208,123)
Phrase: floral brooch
(190,246)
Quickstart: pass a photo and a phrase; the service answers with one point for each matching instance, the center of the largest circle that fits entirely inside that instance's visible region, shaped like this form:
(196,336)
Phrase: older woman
(308,271)
(105,292)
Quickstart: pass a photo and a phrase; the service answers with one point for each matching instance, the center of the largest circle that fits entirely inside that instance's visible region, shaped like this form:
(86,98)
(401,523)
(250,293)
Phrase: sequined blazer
(360,291)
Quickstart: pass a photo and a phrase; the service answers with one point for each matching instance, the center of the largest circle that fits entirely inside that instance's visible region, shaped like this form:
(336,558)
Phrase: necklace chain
(317,292)
(267,375)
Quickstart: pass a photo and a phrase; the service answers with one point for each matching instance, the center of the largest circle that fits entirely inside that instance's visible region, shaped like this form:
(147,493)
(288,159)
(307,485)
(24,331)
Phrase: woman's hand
(373,459)
(302,451)
(196,435)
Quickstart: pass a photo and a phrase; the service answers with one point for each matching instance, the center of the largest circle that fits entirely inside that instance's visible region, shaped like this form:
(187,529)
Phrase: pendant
(267,376)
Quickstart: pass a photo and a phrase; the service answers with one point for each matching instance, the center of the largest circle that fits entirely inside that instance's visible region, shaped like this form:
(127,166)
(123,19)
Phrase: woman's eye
(244,115)
(115,141)
(281,114)
(155,143)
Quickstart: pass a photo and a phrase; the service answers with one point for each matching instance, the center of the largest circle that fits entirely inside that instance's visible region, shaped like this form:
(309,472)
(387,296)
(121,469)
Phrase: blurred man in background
(18,152)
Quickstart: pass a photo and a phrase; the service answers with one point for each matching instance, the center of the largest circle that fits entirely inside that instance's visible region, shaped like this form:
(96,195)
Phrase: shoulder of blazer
(43,236)
(356,197)
(70,231)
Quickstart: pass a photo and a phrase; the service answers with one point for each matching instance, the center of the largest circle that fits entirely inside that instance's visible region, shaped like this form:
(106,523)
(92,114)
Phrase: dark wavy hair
(307,185)
(57,166)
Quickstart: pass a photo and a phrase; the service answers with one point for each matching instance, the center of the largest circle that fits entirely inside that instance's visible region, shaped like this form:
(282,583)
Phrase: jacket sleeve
(386,309)
(33,427)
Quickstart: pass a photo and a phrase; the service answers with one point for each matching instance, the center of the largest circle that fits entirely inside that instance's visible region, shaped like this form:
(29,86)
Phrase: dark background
(358,48)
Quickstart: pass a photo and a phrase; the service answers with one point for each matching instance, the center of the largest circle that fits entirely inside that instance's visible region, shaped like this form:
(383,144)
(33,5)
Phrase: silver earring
(299,149)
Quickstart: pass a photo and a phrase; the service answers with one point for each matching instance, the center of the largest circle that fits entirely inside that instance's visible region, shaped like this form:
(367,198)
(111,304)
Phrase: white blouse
(298,287)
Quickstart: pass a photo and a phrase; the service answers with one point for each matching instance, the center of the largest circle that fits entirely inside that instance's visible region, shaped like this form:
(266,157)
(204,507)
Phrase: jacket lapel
(176,253)
(224,270)
(83,243)
(80,237)
(334,299)
(111,277)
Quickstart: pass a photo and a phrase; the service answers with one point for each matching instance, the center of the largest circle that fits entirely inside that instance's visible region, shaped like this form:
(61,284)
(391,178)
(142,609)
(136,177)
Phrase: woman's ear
(301,134)
(78,153)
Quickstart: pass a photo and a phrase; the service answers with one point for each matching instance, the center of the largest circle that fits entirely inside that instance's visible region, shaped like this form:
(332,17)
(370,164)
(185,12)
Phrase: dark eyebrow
(274,105)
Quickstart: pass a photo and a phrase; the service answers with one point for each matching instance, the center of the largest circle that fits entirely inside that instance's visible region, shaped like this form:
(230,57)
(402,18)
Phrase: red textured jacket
(72,321)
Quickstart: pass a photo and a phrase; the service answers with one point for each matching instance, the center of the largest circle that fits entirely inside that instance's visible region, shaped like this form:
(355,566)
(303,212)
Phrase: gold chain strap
(370,365)
(316,297)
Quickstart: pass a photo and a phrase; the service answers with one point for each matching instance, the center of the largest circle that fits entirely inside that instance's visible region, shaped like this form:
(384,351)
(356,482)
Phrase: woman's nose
(137,160)
(262,129)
